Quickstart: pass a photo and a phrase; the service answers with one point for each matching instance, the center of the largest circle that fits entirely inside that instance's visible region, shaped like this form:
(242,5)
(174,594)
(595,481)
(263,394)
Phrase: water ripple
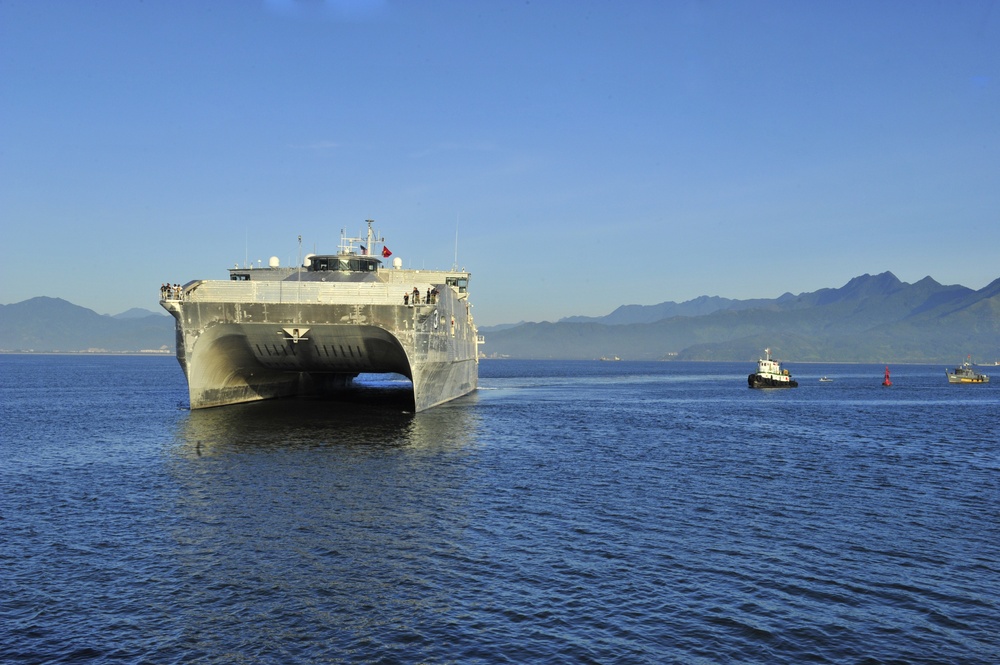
(570,512)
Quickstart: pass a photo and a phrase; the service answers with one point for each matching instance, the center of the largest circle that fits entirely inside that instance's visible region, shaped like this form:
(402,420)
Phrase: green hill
(55,325)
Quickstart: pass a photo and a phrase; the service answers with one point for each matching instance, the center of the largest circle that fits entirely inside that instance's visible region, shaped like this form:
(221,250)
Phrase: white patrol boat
(770,375)
(271,332)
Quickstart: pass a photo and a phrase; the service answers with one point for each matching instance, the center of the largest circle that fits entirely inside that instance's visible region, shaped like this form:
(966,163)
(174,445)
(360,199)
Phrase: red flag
(385,252)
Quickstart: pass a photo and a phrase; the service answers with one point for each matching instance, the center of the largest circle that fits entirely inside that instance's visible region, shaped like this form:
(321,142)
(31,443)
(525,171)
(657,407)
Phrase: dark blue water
(569,512)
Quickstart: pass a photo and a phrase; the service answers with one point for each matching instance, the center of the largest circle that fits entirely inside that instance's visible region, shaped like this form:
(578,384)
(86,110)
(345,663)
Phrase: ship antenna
(454,266)
(371,247)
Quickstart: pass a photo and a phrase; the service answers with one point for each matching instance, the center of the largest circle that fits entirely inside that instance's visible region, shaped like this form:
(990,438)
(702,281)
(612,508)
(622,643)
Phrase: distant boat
(886,381)
(965,374)
(824,379)
(611,358)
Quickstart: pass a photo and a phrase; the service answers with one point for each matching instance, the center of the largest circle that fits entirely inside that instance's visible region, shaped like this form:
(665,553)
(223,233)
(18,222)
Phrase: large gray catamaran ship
(277,331)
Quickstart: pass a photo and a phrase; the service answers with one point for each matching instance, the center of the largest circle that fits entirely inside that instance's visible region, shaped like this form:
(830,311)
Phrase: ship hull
(236,352)
(758,381)
(980,378)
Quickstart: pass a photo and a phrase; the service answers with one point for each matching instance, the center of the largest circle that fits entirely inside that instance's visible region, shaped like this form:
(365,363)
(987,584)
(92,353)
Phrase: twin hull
(234,352)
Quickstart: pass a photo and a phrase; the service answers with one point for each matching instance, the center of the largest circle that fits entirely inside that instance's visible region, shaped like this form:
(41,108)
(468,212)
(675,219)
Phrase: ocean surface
(567,512)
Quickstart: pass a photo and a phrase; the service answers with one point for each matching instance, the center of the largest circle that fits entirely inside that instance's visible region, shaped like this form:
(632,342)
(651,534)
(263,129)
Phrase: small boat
(770,375)
(965,374)
(886,382)
(824,379)
(612,358)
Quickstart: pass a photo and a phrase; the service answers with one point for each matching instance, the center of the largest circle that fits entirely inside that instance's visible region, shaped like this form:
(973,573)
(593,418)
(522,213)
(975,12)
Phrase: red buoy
(886,382)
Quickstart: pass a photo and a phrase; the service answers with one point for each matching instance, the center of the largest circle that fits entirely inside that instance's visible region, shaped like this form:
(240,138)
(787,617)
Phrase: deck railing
(296,292)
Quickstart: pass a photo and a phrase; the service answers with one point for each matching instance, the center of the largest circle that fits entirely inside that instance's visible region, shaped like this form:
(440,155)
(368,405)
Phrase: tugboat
(965,374)
(770,375)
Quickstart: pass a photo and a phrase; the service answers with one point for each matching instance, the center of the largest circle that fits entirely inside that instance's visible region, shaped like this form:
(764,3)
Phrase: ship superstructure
(276,331)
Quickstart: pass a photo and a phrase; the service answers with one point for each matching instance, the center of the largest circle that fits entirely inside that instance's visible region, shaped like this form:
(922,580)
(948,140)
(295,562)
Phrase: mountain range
(54,325)
(872,318)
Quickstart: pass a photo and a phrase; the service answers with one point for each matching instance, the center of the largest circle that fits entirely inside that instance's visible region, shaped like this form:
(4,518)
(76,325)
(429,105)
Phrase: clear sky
(586,154)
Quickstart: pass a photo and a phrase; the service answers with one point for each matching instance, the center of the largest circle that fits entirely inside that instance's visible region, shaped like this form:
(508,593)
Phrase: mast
(347,243)
(454,266)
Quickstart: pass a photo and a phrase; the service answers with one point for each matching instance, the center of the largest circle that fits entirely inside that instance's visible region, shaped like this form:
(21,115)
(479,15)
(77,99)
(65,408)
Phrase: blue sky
(588,154)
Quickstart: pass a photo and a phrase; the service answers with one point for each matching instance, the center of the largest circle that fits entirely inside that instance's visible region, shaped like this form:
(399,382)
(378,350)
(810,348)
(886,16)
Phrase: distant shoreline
(789,362)
(171,354)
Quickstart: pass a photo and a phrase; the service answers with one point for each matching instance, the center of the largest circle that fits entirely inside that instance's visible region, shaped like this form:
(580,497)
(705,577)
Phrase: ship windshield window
(337,264)
(359,265)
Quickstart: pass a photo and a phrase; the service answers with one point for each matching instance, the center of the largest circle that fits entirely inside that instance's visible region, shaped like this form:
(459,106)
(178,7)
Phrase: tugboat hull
(757,381)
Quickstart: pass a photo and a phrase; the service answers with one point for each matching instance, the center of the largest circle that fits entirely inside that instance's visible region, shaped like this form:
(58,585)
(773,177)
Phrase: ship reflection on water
(312,514)
(371,413)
